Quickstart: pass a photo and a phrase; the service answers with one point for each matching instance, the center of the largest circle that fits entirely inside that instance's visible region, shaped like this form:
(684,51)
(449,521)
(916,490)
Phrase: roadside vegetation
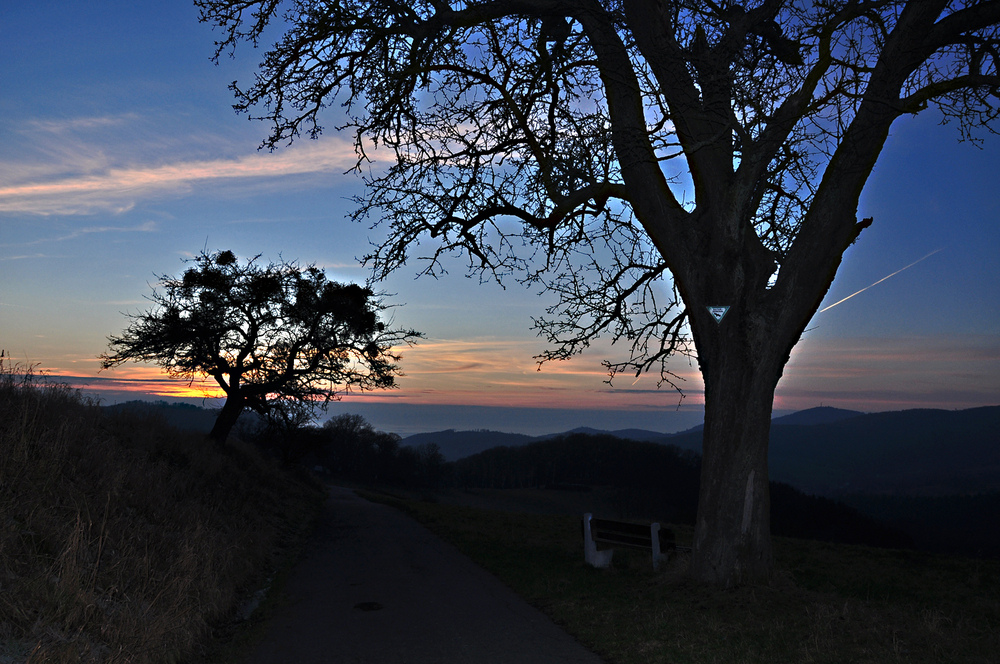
(829,602)
(124,539)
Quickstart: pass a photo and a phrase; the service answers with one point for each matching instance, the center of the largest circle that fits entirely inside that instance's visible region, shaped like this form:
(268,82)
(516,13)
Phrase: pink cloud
(117,189)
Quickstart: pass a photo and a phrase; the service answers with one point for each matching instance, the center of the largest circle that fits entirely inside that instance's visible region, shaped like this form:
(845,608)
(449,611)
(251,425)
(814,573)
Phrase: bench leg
(600,559)
(658,556)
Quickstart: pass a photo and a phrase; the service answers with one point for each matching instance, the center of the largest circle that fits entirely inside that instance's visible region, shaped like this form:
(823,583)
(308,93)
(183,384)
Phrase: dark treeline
(658,481)
(347,447)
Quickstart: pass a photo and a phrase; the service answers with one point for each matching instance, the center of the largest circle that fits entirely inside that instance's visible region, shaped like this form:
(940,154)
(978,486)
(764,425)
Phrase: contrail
(881,280)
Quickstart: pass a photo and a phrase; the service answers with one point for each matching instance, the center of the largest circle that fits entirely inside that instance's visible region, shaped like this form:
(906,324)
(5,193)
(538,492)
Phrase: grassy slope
(829,603)
(123,540)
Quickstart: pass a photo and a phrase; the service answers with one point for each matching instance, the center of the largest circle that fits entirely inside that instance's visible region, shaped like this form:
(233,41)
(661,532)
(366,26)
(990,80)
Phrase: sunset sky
(120,155)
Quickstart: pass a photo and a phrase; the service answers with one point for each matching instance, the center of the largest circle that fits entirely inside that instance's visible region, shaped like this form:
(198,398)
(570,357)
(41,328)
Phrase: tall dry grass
(121,539)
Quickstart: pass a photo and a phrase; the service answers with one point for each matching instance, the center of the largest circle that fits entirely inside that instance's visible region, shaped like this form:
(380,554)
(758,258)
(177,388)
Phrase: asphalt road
(377,587)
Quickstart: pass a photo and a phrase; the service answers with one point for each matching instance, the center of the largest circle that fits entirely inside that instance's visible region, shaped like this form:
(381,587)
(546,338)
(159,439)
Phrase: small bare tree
(278,339)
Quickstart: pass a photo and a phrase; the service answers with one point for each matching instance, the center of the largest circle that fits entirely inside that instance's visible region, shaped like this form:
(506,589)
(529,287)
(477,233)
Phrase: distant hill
(823,451)
(831,451)
(643,435)
(455,445)
(810,416)
(459,444)
(914,452)
(819,415)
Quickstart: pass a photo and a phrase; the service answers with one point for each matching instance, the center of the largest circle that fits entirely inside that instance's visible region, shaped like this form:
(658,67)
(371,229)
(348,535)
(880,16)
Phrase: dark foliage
(645,475)
(457,444)
(796,514)
(348,448)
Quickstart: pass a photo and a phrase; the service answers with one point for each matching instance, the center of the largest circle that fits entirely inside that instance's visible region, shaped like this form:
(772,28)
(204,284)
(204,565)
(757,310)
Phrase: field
(828,603)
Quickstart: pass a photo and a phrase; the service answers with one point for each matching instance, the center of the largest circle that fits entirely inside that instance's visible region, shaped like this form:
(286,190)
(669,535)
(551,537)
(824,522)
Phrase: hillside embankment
(125,540)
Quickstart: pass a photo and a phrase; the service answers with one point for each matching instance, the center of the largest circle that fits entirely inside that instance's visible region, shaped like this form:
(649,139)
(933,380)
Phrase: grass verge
(124,540)
(828,603)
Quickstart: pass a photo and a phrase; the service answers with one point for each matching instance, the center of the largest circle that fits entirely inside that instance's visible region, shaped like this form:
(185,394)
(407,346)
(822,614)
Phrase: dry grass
(829,603)
(121,539)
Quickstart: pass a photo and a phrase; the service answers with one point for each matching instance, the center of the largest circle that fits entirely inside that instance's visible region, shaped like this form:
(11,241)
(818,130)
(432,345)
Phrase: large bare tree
(648,161)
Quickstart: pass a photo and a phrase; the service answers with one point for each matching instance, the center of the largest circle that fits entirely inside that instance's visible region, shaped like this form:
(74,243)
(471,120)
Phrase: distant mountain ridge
(823,451)
(810,416)
(832,452)
(818,415)
(459,444)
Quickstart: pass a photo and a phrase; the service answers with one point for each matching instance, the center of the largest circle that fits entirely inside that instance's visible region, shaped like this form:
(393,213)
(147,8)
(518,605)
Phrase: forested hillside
(648,480)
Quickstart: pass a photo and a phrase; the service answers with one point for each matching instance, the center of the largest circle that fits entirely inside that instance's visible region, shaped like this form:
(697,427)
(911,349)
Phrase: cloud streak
(954,371)
(117,189)
(147,227)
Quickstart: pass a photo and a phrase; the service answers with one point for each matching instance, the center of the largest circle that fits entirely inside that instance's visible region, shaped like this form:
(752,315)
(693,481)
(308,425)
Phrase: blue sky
(121,156)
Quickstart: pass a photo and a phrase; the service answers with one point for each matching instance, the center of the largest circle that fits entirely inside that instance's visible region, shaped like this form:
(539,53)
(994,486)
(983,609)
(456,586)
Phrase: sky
(121,156)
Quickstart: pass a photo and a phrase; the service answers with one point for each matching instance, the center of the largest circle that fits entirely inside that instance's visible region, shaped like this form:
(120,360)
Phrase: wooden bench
(653,538)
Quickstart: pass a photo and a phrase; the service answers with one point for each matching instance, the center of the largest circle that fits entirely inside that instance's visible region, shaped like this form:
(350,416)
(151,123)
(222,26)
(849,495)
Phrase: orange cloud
(140,380)
(501,372)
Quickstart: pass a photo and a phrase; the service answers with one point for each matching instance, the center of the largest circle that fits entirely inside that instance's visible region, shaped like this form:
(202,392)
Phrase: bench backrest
(629,534)
(623,533)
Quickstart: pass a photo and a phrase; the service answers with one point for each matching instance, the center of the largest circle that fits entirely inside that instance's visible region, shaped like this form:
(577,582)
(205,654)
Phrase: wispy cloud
(21,257)
(66,125)
(147,227)
(72,175)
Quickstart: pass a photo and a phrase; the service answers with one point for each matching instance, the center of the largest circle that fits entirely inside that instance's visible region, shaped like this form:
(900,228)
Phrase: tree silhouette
(660,161)
(279,339)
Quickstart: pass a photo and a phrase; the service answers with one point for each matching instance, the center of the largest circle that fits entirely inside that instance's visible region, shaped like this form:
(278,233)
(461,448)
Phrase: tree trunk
(226,420)
(732,539)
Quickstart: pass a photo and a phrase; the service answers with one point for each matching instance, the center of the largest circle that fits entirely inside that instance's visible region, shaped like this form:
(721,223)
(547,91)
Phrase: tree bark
(732,539)
(226,420)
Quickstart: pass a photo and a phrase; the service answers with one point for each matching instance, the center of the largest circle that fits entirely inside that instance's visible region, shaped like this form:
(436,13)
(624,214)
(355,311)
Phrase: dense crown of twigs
(276,336)
(595,146)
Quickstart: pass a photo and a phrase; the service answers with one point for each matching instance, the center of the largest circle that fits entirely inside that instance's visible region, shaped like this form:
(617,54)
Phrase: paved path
(377,587)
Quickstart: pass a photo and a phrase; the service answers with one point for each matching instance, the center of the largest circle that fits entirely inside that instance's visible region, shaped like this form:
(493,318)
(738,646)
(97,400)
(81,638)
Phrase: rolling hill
(832,452)
(910,452)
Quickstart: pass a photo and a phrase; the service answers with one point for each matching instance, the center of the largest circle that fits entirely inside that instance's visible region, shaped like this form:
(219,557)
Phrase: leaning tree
(650,162)
(279,339)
